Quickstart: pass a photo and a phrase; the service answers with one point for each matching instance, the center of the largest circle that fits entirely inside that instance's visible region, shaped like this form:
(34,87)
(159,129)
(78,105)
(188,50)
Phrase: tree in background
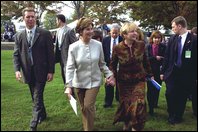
(50,20)
(108,11)
(12,9)
(154,14)
(151,15)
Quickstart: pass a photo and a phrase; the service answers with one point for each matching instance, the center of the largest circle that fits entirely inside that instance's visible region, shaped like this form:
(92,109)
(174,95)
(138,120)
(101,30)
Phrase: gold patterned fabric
(133,69)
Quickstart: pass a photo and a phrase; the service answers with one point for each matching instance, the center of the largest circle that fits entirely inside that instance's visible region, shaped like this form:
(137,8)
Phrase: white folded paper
(73,103)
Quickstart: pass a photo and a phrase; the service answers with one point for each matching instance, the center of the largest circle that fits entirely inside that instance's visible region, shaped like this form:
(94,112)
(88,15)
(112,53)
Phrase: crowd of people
(123,58)
(9,32)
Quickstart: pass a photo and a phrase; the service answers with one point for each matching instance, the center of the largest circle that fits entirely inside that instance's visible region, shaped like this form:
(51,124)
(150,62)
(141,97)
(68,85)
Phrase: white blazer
(85,65)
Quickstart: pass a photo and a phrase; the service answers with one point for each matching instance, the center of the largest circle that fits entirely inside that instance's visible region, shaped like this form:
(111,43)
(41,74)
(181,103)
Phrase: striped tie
(30,38)
(114,42)
(30,35)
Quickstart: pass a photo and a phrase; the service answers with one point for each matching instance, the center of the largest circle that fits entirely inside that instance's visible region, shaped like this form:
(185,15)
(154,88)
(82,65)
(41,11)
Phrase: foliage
(80,8)
(99,11)
(14,8)
(154,14)
(2,29)
(106,11)
(50,20)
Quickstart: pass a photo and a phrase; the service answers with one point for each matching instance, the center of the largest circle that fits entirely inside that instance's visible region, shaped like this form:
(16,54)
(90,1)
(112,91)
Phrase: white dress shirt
(85,65)
(184,36)
(60,35)
(117,41)
(33,32)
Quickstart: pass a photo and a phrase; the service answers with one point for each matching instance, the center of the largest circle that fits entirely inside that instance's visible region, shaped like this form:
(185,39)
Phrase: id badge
(188,54)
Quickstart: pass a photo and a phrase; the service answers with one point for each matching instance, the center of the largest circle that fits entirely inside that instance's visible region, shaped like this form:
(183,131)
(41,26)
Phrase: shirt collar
(33,30)
(114,38)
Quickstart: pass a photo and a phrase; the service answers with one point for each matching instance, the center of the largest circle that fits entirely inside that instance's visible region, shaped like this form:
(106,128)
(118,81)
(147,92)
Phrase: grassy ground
(16,107)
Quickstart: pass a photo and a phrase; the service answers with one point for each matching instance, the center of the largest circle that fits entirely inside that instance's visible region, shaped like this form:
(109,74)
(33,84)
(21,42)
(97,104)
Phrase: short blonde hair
(127,27)
(28,9)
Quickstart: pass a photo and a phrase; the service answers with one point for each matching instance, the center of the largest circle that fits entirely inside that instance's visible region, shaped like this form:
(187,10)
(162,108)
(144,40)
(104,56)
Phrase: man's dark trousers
(37,89)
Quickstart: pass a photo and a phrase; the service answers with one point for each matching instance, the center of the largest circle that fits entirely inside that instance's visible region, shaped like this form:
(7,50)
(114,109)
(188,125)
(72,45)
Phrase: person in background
(64,37)
(54,36)
(105,28)
(155,53)
(194,30)
(34,55)
(97,35)
(108,43)
(84,71)
(194,91)
(179,69)
(133,69)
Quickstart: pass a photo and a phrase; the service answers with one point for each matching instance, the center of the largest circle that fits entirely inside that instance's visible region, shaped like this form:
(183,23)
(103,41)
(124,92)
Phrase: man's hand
(49,77)
(111,81)
(159,57)
(18,75)
(162,77)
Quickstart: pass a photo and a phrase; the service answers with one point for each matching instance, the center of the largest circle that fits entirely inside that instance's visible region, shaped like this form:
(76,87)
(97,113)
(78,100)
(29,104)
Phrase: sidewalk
(7,45)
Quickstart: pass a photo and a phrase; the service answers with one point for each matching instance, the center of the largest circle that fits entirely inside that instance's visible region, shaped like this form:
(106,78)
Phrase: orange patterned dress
(133,69)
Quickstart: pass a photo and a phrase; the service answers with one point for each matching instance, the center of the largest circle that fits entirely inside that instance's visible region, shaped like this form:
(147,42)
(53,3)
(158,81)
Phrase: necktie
(179,52)
(29,38)
(114,42)
(30,35)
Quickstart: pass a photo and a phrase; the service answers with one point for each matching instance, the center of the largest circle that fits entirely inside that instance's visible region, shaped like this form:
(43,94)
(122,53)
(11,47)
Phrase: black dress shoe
(107,106)
(171,120)
(151,112)
(178,120)
(32,128)
(41,119)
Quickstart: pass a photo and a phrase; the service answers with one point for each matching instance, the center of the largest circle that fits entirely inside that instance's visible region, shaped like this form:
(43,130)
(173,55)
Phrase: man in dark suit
(34,55)
(179,69)
(108,43)
(64,37)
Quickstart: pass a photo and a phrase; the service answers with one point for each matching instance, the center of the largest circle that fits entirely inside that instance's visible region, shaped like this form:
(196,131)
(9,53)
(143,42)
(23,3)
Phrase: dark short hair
(97,34)
(180,20)
(28,9)
(61,17)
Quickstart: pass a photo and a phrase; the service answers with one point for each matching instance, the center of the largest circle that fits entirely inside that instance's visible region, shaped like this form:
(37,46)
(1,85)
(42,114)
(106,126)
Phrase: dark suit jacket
(189,65)
(42,53)
(68,37)
(106,44)
(155,64)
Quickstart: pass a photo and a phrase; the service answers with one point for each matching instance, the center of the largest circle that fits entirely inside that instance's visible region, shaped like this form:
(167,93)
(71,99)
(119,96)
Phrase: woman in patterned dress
(133,69)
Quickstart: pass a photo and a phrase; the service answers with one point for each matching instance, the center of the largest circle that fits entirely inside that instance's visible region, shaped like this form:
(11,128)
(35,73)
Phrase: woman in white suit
(84,71)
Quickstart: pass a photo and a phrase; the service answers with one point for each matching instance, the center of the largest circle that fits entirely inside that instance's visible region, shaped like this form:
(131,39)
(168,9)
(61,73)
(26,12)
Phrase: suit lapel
(109,45)
(188,40)
(36,35)
(24,37)
(63,35)
(175,44)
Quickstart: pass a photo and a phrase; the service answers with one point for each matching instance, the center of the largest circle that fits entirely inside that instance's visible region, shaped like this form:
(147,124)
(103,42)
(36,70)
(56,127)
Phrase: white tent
(72,24)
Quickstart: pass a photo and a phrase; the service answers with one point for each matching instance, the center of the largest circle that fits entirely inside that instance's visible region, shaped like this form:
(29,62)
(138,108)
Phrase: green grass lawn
(16,107)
